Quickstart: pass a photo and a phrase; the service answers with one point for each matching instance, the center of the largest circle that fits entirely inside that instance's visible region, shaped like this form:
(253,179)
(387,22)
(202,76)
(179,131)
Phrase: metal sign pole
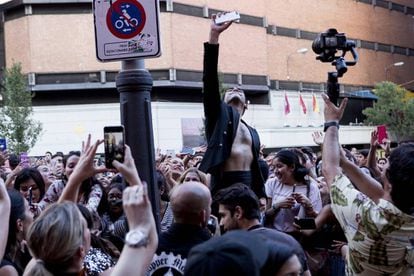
(134,84)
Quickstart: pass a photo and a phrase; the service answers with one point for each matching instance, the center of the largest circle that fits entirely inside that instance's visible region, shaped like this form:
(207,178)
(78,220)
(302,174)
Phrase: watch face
(136,238)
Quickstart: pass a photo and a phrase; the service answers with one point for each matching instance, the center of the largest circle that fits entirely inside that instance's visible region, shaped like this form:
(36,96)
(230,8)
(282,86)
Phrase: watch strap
(329,124)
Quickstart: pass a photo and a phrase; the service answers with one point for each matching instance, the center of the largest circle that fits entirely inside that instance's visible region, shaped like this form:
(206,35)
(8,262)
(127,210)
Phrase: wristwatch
(136,239)
(329,124)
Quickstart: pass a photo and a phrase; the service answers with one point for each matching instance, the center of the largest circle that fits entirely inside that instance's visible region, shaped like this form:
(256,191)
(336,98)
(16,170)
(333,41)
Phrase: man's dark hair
(364,152)
(400,174)
(14,160)
(241,195)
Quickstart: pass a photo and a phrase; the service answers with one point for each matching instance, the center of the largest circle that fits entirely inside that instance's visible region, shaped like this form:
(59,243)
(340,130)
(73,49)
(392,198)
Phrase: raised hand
(83,170)
(317,137)
(331,111)
(137,208)
(128,169)
(86,167)
(216,30)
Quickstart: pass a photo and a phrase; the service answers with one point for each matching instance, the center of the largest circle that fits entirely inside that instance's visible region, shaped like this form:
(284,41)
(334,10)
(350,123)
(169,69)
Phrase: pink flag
(287,105)
(302,103)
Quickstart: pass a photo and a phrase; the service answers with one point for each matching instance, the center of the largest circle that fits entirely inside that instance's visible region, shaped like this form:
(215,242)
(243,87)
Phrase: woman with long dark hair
(30,179)
(291,193)
(16,254)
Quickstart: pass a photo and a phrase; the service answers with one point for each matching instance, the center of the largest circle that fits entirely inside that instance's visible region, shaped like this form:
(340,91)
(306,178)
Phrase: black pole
(333,87)
(134,84)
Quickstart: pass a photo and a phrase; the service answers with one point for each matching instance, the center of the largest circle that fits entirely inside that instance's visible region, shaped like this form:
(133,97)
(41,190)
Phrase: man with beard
(233,146)
(239,210)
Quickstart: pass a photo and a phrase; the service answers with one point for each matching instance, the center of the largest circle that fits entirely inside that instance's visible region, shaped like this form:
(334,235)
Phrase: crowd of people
(228,209)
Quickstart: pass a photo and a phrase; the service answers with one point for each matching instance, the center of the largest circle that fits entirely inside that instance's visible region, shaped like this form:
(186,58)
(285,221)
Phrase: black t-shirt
(174,246)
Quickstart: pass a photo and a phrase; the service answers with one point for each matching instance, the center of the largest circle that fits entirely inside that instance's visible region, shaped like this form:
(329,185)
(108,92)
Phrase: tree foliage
(393,109)
(17,125)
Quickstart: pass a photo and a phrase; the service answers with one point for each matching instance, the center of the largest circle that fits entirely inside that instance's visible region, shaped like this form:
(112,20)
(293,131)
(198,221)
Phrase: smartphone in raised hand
(24,160)
(3,144)
(227,17)
(114,143)
(382,133)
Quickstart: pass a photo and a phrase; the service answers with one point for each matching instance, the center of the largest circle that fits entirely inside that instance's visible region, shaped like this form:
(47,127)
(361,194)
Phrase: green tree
(393,109)
(17,125)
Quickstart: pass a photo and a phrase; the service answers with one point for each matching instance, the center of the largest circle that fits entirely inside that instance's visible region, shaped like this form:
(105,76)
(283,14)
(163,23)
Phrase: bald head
(190,203)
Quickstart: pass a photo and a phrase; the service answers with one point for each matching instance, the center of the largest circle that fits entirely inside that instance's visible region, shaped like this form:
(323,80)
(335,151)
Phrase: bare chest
(243,136)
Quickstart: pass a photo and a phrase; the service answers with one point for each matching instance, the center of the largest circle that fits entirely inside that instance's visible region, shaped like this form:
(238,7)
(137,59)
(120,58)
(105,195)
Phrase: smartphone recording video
(114,144)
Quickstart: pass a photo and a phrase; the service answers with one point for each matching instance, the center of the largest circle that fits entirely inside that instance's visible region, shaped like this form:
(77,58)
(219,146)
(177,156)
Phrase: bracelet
(329,124)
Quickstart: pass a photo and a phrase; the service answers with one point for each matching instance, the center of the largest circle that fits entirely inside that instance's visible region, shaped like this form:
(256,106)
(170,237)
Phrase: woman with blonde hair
(59,238)
(193,174)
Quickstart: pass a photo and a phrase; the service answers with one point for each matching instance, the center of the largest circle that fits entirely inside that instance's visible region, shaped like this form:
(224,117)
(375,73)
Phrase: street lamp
(299,51)
(387,68)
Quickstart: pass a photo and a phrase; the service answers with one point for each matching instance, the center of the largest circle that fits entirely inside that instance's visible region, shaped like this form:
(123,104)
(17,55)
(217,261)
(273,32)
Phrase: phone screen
(114,142)
(24,160)
(382,133)
(3,145)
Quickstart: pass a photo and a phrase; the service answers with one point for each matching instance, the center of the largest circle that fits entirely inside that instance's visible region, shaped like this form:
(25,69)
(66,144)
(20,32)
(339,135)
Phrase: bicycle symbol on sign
(126,18)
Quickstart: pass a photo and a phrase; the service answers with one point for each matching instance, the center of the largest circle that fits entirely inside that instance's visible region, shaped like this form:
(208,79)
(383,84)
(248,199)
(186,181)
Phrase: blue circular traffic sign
(125,18)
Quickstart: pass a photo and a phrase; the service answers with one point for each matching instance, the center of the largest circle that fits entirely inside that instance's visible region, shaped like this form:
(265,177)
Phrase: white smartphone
(227,17)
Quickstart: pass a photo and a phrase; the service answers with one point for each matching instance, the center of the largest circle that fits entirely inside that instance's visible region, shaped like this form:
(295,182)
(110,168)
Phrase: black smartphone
(114,143)
(30,196)
(306,223)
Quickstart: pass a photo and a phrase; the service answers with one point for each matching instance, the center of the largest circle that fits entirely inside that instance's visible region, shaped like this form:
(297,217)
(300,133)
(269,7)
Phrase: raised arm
(365,183)
(331,148)
(4,216)
(137,208)
(372,158)
(211,93)
(83,170)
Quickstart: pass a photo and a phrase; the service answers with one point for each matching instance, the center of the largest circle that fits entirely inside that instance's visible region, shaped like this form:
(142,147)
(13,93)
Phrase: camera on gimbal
(326,45)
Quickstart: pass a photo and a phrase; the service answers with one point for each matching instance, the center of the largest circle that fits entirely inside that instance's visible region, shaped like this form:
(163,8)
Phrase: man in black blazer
(233,146)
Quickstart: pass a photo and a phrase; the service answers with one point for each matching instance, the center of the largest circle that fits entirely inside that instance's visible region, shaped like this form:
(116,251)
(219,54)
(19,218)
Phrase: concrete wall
(65,126)
(50,43)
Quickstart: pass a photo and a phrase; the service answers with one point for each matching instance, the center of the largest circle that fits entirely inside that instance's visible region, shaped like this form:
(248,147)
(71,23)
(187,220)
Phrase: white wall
(66,126)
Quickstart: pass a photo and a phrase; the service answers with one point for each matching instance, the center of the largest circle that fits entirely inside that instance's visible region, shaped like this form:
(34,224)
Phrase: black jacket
(221,122)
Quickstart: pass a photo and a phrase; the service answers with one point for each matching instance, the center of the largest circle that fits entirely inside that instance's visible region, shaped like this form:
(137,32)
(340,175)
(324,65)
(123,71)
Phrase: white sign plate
(126,29)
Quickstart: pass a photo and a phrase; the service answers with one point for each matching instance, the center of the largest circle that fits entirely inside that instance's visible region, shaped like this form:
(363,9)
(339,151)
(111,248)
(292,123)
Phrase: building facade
(74,94)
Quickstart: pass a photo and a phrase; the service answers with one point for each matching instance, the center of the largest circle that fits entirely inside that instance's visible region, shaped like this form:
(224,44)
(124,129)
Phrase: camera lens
(316,45)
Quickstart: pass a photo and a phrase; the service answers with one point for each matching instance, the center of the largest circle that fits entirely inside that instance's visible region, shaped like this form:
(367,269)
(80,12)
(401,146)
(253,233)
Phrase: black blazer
(221,122)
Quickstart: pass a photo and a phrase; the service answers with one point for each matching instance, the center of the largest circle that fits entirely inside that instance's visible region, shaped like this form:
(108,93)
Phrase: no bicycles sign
(126,29)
